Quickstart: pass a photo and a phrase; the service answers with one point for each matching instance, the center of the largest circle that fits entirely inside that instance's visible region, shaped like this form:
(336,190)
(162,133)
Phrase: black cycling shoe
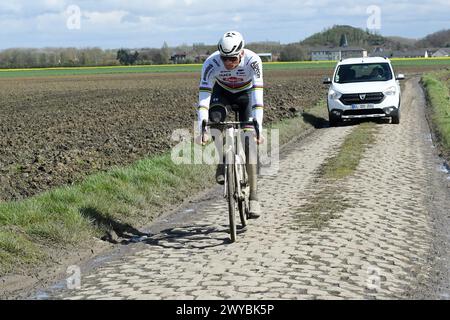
(220,174)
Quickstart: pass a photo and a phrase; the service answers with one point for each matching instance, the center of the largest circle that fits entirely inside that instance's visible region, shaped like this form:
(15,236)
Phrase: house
(418,53)
(443,52)
(337,53)
(201,58)
(265,57)
(178,58)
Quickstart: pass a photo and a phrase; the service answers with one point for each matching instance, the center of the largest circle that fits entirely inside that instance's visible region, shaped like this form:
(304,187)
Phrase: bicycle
(236,186)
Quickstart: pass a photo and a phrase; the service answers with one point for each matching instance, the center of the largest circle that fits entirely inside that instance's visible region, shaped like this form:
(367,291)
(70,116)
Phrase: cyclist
(377,73)
(234,76)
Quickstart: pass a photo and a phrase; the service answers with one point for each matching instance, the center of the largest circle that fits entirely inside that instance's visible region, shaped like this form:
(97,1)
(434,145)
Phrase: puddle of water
(45,295)
(445,168)
(445,296)
(42,296)
(139,239)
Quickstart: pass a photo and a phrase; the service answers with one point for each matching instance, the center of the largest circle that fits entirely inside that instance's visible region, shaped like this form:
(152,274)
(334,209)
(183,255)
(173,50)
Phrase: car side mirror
(400,76)
(326,81)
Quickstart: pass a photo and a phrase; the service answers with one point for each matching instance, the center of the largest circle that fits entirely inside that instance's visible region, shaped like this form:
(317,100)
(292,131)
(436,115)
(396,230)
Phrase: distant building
(265,57)
(443,52)
(178,58)
(418,53)
(201,58)
(338,53)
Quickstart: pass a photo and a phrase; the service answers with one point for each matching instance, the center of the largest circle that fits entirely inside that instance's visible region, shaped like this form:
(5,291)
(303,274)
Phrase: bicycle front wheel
(231,188)
(243,202)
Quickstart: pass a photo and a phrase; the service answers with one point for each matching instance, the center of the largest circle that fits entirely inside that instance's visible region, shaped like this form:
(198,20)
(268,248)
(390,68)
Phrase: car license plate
(362,106)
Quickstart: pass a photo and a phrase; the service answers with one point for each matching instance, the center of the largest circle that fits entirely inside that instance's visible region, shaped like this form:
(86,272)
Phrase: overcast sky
(148,23)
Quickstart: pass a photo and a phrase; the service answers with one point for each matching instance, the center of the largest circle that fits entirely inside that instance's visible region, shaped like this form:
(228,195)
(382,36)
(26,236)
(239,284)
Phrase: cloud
(237,18)
(131,18)
(116,23)
(55,4)
(10,8)
(110,19)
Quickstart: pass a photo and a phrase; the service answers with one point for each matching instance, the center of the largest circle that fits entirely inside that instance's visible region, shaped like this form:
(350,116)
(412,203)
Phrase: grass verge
(437,86)
(352,150)
(120,200)
(113,201)
(315,117)
(329,200)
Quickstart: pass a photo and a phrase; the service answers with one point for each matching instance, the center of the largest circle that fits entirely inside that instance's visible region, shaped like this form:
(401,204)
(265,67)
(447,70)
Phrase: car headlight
(390,91)
(334,95)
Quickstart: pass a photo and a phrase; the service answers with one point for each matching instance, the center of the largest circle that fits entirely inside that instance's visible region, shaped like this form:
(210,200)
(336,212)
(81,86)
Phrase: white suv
(364,88)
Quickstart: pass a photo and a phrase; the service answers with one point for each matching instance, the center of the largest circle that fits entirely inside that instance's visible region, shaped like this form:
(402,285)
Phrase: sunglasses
(232,59)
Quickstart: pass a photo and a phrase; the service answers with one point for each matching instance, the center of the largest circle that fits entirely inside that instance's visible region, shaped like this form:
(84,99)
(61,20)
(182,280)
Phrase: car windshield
(365,72)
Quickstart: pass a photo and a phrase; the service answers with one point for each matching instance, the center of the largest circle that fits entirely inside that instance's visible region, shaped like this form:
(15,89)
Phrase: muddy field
(55,131)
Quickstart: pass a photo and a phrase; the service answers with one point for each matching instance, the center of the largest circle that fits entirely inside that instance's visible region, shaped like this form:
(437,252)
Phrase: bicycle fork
(229,144)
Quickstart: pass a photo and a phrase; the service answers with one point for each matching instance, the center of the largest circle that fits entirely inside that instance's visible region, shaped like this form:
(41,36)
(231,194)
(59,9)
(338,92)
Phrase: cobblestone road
(377,248)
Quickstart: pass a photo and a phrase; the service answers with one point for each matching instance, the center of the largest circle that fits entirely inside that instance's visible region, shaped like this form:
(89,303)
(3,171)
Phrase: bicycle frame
(235,169)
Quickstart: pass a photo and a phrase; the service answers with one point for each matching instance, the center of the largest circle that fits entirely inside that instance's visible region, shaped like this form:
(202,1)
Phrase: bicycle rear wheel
(231,188)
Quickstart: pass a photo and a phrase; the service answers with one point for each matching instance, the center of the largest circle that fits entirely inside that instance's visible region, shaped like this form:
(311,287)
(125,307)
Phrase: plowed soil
(56,130)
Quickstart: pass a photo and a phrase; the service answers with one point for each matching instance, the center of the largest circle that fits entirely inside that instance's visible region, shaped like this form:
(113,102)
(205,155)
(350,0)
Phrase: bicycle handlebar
(254,123)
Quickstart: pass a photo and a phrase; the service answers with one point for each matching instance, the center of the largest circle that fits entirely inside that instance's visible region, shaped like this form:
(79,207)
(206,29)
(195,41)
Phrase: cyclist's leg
(245,113)
(219,96)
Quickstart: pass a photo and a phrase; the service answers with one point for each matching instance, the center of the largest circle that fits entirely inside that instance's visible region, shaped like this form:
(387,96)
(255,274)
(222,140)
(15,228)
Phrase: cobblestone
(382,237)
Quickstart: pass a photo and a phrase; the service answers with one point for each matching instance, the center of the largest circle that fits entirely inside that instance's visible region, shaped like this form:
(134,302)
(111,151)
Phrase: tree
(42,60)
(293,52)
(122,56)
(437,39)
(343,42)
(127,58)
(83,59)
(134,57)
(165,54)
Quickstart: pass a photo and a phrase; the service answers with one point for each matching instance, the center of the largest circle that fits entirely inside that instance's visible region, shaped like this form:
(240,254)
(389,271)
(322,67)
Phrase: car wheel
(396,117)
(333,120)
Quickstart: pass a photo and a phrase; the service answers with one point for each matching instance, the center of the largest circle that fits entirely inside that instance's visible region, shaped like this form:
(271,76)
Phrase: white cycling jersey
(248,75)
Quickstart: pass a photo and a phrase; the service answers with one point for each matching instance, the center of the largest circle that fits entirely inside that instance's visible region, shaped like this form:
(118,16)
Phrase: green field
(11,73)
(326,65)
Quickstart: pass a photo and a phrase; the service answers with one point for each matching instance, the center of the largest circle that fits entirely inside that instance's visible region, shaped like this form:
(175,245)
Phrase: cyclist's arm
(205,90)
(258,92)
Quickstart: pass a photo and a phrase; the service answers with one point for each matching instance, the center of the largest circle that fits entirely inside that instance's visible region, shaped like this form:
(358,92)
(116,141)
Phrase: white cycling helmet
(231,44)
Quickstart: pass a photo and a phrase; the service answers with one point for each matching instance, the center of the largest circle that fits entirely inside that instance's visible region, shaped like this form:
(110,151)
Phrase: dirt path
(392,241)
